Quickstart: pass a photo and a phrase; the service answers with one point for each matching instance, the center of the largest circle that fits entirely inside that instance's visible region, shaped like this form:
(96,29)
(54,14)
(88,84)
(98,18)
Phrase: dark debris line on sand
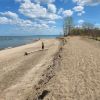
(40,92)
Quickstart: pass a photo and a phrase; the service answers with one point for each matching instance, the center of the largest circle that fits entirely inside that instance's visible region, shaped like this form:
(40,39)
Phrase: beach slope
(19,73)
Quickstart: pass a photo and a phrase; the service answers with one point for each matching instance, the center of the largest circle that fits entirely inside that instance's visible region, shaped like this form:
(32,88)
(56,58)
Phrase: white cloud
(78,8)
(44,25)
(51,16)
(81,2)
(34,11)
(48,22)
(4,20)
(60,11)
(27,25)
(52,8)
(80,13)
(12,18)
(25,22)
(68,13)
(87,2)
(37,1)
(44,17)
(81,21)
(44,1)
(51,22)
(9,14)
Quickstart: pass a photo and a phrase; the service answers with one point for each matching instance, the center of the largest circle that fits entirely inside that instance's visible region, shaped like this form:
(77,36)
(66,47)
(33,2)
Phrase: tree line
(86,29)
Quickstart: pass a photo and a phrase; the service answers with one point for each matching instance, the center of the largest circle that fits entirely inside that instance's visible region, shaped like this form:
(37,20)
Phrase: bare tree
(68,25)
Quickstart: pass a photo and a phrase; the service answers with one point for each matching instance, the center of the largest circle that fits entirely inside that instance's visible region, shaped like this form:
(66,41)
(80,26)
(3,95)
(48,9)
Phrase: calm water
(14,41)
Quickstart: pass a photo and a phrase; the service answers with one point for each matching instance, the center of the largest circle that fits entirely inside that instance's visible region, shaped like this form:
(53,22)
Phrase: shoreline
(10,47)
(31,42)
(16,41)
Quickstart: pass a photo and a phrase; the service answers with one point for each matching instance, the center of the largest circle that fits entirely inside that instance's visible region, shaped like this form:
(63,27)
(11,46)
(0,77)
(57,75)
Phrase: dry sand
(19,73)
(78,76)
(68,73)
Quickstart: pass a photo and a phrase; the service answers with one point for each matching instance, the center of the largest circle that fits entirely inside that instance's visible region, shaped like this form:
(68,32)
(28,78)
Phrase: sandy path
(78,76)
(19,73)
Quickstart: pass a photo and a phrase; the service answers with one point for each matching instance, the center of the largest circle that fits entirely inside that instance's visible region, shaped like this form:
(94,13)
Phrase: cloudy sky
(29,17)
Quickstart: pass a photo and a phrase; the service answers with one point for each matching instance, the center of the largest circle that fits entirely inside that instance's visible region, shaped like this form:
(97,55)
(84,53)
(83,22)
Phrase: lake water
(14,41)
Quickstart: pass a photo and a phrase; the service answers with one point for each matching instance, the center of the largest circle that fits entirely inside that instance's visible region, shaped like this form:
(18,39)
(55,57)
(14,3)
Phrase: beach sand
(68,70)
(20,73)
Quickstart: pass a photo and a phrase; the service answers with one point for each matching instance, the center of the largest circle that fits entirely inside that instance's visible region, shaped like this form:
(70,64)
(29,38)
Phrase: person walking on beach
(42,45)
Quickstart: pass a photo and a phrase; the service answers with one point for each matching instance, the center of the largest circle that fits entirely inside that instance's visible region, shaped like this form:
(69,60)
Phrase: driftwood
(27,53)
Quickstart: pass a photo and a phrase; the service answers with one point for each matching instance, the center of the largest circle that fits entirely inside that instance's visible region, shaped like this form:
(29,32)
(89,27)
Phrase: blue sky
(33,17)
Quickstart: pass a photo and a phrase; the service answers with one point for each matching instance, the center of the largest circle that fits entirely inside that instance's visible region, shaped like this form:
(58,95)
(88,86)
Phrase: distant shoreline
(7,42)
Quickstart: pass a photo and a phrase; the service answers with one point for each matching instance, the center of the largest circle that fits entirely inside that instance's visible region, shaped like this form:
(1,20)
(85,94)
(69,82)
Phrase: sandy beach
(19,73)
(68,72)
